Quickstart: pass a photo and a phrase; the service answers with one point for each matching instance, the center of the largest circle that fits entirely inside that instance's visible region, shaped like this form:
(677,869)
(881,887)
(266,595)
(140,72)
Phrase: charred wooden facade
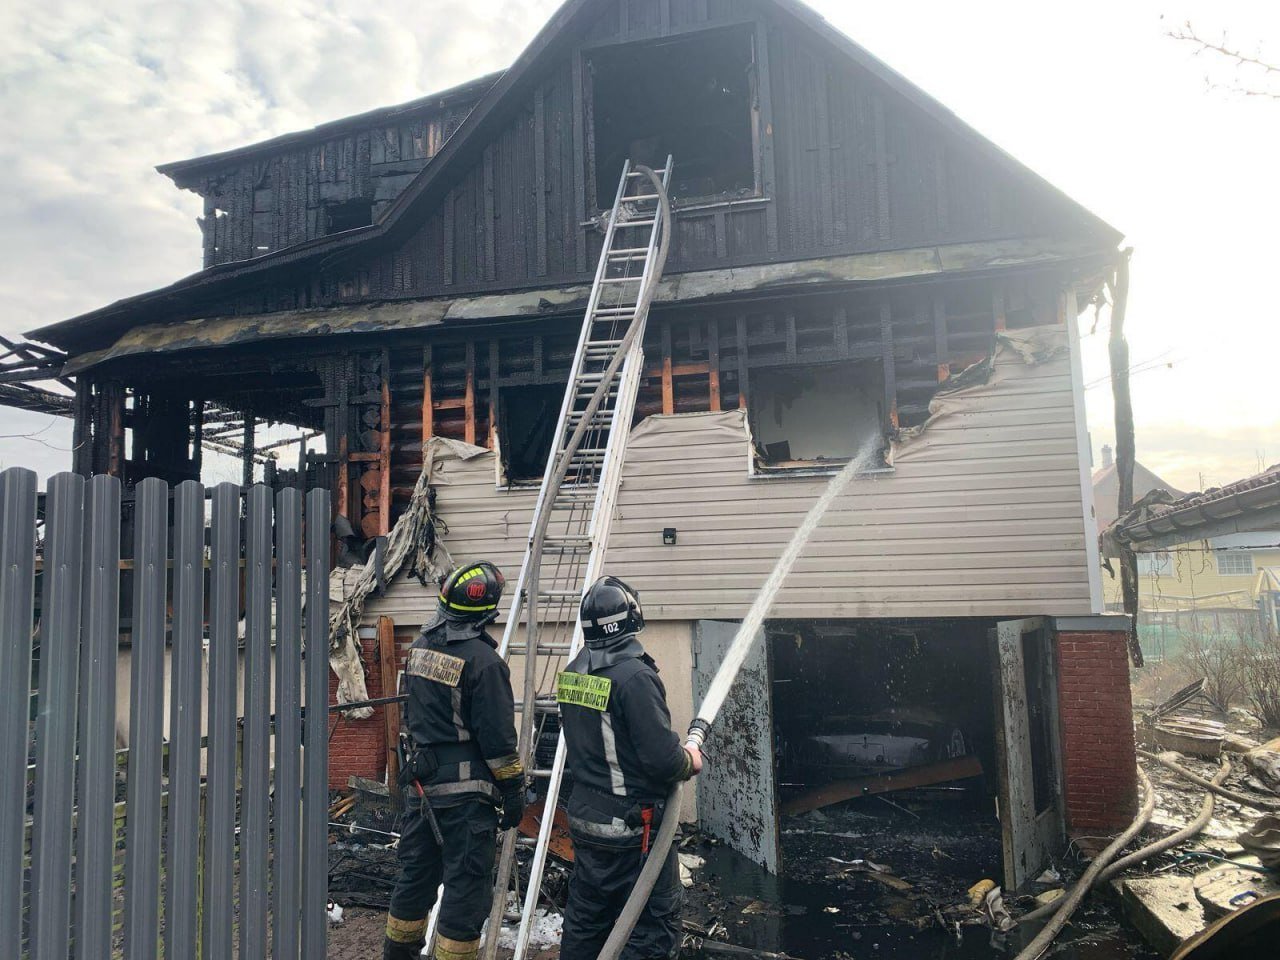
(827,212)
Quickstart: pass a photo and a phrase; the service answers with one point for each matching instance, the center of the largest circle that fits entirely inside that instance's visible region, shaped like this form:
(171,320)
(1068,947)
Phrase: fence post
(254,891)
(99,650)
(186,687)
(146,722)
(56,721)
(220,797)
(17,608)
(287,864)
(315,794)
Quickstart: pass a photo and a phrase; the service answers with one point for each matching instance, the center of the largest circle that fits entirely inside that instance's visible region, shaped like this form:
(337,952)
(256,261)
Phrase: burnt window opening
(348,215)
(526,427)
(691,98)
(813,416)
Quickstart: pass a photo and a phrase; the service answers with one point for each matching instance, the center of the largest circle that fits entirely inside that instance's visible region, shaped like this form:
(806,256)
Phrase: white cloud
(1093,96)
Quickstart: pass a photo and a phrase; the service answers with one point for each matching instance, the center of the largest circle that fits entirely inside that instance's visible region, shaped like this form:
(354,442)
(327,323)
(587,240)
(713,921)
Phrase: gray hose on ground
(648,878)
(1066,906)
(1150,850)
(1215,788)
(1174,839)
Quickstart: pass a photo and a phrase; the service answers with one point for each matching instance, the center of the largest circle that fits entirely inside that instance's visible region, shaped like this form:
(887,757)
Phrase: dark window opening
(815,415)
(691,98)
(348,215)
(526,427)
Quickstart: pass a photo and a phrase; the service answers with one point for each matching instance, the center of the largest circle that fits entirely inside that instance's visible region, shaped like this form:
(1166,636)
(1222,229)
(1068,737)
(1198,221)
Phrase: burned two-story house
(850,264)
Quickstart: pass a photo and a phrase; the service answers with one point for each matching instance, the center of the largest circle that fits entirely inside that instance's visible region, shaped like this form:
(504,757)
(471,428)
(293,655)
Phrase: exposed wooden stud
(713,360)
(428,408)
(790,322)
(469,398)
(998,309)
(384,449)
(114,396)
(386,631)
(197,438)
(664,17)
(890,373)
(722,235)
(941,348)
(342,500)
(840,332)
(742,362)
(540,179)
(247,449)
(490,439)
(668,387)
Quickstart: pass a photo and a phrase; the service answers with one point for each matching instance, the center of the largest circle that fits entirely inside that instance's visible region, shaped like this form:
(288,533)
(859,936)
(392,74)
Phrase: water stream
(741,646)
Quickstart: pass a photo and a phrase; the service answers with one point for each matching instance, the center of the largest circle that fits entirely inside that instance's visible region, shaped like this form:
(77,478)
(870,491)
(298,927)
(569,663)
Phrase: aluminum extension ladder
(570,530)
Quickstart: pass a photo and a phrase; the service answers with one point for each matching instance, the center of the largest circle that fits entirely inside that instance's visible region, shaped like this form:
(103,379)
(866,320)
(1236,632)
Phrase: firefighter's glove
(512,791)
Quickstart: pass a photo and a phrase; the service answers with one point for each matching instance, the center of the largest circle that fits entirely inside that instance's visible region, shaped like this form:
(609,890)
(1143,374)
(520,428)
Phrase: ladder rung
(558,594)
(545,707)
(641,197)
(540,774)
(629,252)
(615,311)
(638,173)
(622,280)
(603,344)
(548,648)
(628,224)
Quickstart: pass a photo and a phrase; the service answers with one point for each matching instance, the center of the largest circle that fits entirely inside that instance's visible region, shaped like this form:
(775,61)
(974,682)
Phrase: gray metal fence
(218,846)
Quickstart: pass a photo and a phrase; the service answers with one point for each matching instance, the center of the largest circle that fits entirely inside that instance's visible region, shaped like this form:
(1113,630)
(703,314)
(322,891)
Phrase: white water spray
(741,646)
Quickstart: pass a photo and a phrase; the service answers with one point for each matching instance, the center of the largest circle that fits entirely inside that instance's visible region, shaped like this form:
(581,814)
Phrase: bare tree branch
(1244,62)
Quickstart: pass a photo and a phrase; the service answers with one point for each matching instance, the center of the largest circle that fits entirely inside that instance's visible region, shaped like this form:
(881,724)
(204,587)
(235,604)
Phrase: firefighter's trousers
(464,865)
(602,880)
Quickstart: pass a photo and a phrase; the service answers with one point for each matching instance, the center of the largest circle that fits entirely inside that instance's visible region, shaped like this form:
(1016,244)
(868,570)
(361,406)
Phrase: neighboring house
(851,264)
(1208,563)
(1200,587)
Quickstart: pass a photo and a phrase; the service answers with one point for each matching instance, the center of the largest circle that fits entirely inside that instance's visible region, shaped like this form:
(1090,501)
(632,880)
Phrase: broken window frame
(763,466)
(598,188)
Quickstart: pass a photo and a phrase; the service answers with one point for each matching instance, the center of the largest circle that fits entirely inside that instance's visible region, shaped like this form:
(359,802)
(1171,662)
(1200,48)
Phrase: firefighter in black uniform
(624,757)
(460,773)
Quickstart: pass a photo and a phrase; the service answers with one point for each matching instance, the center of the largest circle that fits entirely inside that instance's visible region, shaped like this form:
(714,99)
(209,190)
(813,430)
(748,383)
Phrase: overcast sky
(1092,95)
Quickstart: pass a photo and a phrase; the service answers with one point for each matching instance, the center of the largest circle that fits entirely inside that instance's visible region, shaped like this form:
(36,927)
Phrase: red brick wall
(1096,712)
(358,747)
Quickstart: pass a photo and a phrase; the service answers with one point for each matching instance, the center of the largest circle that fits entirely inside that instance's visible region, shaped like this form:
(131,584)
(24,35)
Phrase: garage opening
(817,415)
(690,97)
(877,768)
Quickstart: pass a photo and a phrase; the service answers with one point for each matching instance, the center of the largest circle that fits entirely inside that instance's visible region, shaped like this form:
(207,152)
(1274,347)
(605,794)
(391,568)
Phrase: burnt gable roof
(431,185)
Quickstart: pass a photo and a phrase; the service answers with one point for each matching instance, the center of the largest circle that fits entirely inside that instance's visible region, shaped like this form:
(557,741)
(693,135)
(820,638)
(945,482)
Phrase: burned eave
(1159,520)
(856,270)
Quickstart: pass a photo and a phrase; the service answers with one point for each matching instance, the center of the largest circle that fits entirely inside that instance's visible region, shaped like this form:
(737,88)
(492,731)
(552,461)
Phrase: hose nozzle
(697,735)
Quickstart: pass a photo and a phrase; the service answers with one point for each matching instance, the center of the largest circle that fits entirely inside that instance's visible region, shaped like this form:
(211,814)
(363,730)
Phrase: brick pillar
(358,747)
(1096,713)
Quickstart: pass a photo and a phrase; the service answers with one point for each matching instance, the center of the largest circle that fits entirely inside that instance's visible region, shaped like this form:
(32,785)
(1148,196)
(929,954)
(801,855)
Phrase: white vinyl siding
(980,516)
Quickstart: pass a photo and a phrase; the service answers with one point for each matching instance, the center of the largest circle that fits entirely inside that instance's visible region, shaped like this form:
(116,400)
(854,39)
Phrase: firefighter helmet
(472,592)
(610,609)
